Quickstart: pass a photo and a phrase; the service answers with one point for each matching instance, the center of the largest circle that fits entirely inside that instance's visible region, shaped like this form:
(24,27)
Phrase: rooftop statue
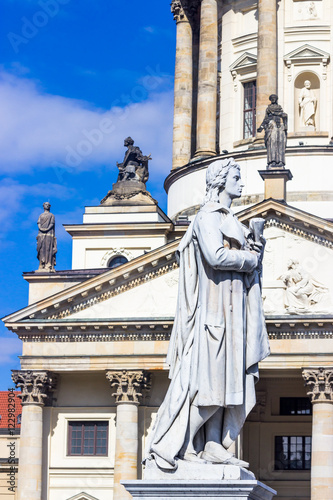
(219,334)
(133,174)
(275,125)
(46,240)
(135,164)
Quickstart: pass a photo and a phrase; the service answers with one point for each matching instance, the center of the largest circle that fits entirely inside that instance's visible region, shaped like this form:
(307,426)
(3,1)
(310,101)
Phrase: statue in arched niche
(307,105)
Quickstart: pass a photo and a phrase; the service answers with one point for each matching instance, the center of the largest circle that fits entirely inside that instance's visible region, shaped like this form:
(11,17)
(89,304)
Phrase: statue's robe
(219,334)
(46,240)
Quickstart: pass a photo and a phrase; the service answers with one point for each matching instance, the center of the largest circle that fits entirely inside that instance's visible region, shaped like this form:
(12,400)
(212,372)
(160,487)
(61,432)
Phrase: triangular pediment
(83,300)
(82,496)
(306,52)
(298,261)
(245,62)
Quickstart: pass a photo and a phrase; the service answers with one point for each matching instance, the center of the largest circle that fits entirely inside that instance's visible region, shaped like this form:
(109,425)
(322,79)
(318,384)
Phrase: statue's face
(273,98)
(307,84)
(46,205)
(233,184)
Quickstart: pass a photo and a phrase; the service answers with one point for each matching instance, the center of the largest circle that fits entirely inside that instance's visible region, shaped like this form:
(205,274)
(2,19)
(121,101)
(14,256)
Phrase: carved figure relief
(307,105)
(307,10)
(303,293)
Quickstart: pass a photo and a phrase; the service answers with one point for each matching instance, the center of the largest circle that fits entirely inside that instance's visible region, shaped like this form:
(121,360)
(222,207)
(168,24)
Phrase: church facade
(95,337)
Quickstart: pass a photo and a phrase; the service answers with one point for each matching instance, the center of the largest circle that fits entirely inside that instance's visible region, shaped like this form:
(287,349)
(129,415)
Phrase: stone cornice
(239,155)
(319,384)
(100,288)
(101,229)
(140,329)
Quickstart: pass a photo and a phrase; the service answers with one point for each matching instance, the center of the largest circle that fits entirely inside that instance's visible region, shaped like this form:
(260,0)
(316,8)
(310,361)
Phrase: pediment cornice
(99,288)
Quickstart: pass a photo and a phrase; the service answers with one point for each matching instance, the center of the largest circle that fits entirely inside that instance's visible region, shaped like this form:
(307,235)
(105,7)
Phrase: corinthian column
(36,386)
(319,384)
(130,386)
(267,56)
(182,117)
(207,82)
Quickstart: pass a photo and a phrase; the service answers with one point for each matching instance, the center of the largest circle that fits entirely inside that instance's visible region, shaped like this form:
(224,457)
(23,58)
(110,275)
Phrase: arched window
(116,261)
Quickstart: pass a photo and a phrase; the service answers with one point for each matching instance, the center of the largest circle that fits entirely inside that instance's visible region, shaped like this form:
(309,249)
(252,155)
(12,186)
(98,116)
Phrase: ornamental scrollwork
(36,386)
(130,385)
(319,384)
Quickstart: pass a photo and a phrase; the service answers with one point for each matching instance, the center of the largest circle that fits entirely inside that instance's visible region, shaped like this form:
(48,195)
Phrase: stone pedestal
(130,192)
(216,481)
(319,383)
(129,388)
(275,182)
(36,387)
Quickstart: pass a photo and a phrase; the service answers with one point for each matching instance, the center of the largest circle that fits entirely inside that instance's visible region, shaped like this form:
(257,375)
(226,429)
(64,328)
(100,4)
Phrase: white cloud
(41,130)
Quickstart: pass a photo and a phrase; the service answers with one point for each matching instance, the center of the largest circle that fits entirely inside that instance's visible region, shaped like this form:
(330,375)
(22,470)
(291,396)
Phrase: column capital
(130,385)
(184,10)
(319,384)
(36,385)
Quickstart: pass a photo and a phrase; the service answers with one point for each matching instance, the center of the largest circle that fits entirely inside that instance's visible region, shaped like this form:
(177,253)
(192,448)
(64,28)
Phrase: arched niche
(306,112)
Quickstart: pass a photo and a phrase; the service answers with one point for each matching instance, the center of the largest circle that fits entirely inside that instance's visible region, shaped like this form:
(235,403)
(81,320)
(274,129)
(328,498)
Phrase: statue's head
(216,177)
(307,84)
(273,98)
(292,263)
(46,205)
(128,141)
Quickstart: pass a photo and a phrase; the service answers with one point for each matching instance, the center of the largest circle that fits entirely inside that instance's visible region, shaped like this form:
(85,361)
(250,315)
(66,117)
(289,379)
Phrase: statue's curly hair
(216,176)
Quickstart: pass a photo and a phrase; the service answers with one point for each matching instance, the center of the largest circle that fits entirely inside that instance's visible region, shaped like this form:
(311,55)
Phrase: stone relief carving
(130,385)
(303,294)
(307,106)
(306,10)
(319,384)
(36,386)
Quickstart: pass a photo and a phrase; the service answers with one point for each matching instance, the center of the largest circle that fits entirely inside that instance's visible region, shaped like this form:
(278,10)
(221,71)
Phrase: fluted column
(182,118)
(36,386)
(207,82)
(130,386)
(267,56)
(319,384)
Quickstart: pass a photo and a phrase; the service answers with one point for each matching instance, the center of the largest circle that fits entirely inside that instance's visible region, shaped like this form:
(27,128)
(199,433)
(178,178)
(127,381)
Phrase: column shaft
(126,456)
(182,119)
(30,459)
(207,82)
(267,56)
(322,452)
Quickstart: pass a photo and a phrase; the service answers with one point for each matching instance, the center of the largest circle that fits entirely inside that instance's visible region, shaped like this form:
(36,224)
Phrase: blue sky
(65,67)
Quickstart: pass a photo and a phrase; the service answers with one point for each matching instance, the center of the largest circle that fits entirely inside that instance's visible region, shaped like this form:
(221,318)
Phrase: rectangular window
(295,406)
(292,453)
(88,438)
(249,109)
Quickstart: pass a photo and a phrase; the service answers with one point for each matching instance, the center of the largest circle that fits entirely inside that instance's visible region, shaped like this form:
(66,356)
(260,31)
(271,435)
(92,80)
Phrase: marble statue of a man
(46,240)
(219,333)
(307,105)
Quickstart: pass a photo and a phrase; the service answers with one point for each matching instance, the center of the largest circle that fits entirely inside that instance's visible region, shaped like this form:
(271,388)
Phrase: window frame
(83,423)
(253,109)
(278,460)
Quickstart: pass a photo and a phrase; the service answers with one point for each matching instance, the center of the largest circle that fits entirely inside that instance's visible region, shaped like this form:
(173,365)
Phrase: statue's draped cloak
(219,334)
(46,240)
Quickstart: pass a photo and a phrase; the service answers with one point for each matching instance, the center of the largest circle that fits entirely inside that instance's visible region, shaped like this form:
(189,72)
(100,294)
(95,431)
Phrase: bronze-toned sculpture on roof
(46,240)
(133,174)
(135,164)
(275,125)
